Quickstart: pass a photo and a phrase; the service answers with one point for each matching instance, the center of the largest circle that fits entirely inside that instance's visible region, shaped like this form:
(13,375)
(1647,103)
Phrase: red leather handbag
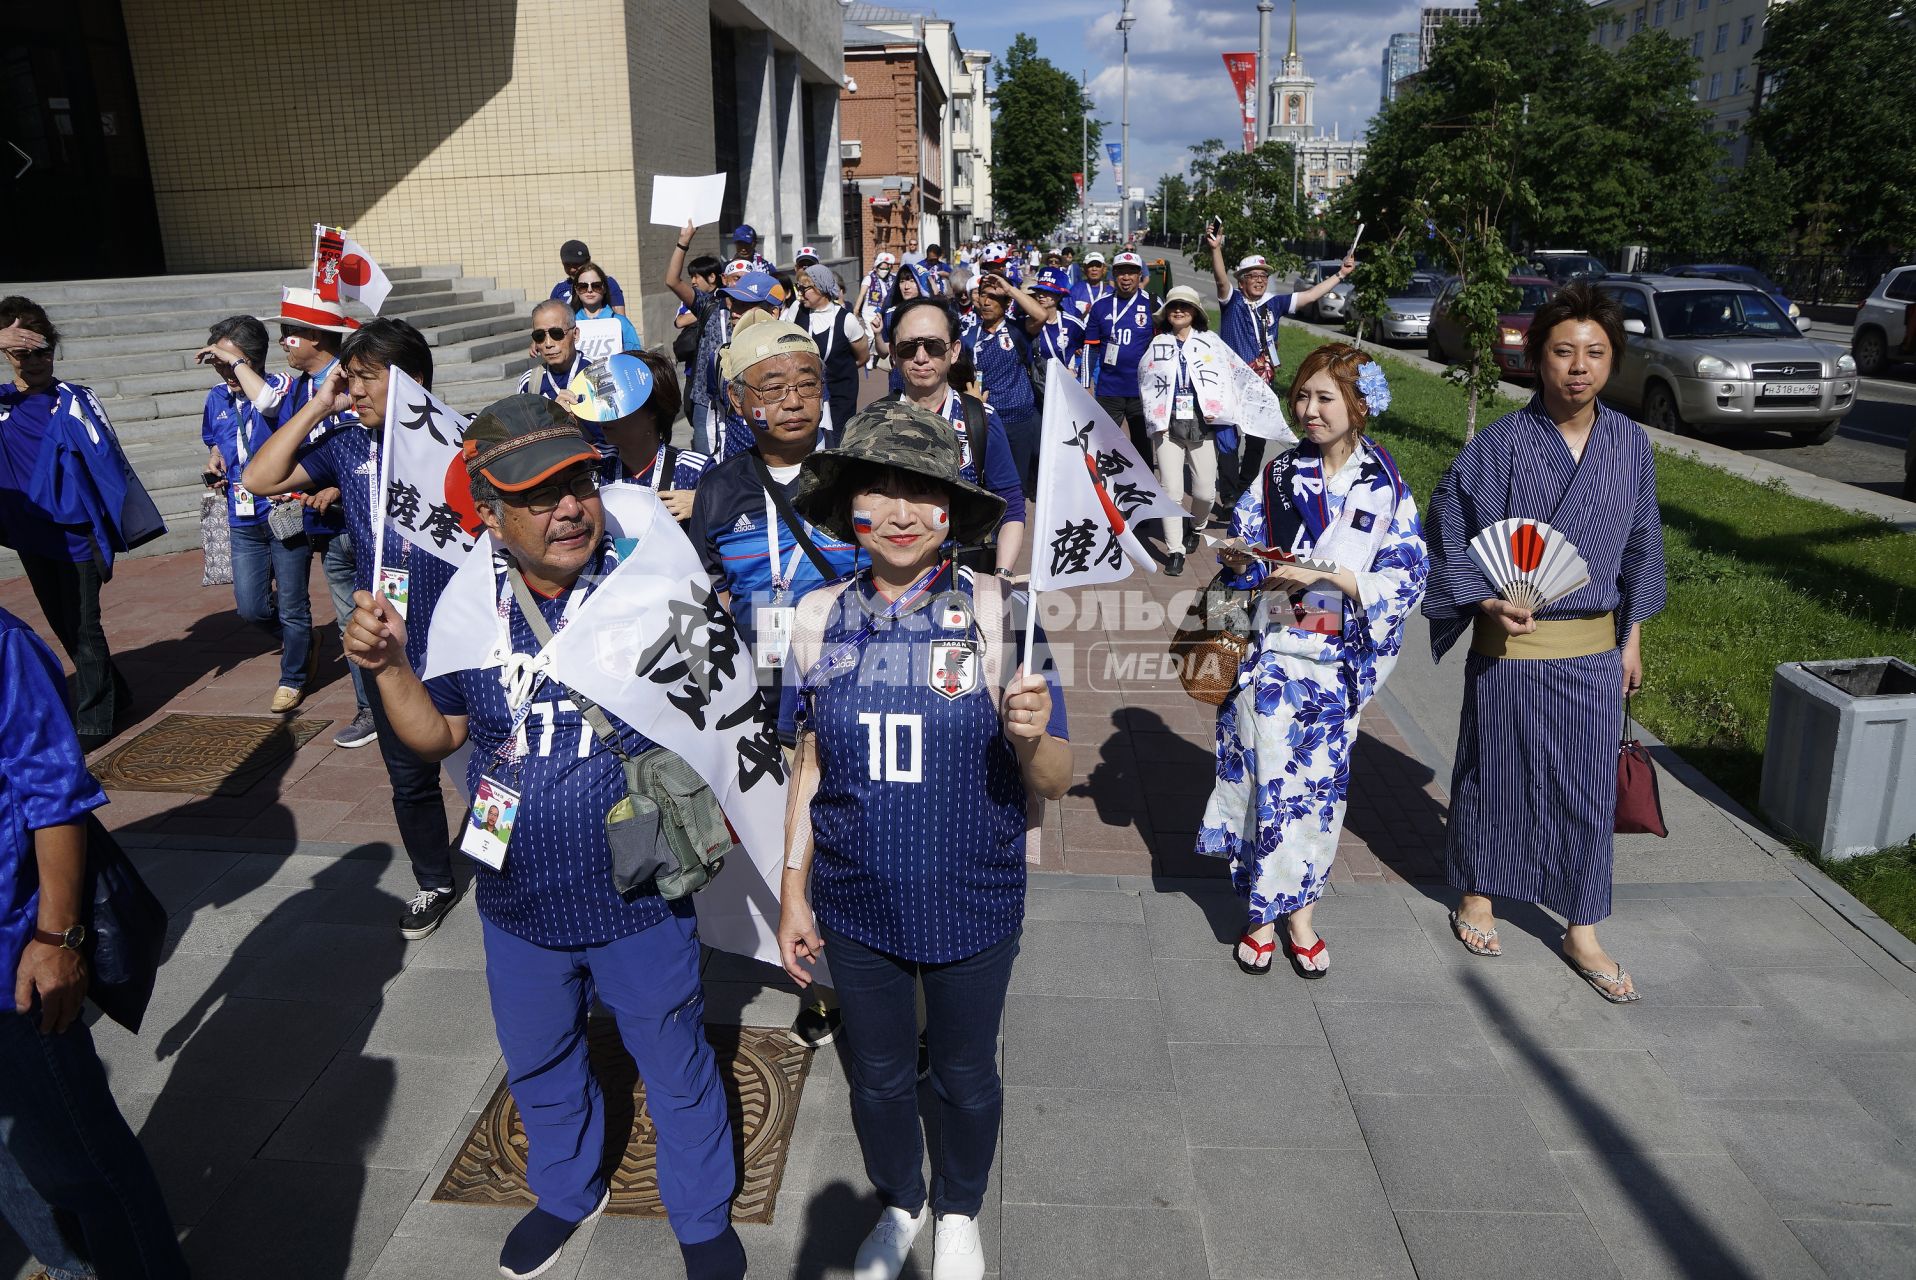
(1639,804)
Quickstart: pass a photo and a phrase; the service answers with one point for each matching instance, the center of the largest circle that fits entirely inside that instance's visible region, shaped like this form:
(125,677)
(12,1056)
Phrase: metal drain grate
(205,755)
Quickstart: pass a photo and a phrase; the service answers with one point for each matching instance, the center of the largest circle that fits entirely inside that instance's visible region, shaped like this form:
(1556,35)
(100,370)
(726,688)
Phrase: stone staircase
(132,341)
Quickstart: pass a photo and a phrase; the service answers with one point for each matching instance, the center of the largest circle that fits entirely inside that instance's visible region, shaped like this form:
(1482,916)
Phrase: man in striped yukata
(1533,797)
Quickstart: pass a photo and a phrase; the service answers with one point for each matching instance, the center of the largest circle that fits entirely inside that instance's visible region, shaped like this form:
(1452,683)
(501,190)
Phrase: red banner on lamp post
(1243,69)
(1078,179)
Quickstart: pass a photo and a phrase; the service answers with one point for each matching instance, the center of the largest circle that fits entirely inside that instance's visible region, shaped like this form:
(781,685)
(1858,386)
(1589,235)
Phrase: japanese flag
(343,269)
(1092,489)
(428,502)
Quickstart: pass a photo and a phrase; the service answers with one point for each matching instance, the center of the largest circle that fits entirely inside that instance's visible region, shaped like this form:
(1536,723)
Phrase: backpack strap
(975,428)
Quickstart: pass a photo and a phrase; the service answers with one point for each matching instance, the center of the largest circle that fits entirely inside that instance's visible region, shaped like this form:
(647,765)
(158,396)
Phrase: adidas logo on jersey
(744,524)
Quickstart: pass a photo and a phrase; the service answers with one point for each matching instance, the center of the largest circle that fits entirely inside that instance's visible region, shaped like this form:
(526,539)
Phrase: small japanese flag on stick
(343,269)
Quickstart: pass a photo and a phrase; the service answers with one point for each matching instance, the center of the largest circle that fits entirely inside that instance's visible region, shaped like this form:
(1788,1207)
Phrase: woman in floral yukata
(1327,637)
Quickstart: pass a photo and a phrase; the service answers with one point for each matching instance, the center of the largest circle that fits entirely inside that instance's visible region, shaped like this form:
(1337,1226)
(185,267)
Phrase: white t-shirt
(821,321)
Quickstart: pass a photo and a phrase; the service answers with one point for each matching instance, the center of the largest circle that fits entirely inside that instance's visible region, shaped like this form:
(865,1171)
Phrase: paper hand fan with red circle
(1528,562)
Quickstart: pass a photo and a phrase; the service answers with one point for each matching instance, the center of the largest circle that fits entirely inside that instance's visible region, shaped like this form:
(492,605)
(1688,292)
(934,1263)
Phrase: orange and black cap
(523,441)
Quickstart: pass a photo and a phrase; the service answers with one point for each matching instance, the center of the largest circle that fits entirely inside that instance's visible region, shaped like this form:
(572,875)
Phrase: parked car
(1883,332)
(1711,353)
(1561,266)
(1407,312)
(1742,275)
(1334,307)
(1446,341)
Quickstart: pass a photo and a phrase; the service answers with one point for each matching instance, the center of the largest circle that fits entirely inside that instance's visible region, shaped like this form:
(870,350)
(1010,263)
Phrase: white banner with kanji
(1225,389)
(343,269)
(428,501)
(1092,489)
(654,646)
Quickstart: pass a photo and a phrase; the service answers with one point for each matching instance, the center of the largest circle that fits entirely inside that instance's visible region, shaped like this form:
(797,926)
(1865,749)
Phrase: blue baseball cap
(744,233)
(754,286)
(1051,280)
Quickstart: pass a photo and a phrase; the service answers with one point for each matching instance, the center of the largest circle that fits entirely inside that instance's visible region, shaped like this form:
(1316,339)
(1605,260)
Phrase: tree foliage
(1754,212)
(1251,194)
(1609,143)
(1037,138)
(1175,212)
(1838,116)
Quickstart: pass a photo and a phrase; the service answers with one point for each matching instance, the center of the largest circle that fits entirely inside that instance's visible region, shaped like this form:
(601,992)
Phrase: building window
(1656,15)
(1701,5)
(1676,15)
(1619,30)
(1738,82)
(1716,85)
(1695,87)
(1722,37)
(1696,45)
(1749,29)
(1343,162)
(1636,24)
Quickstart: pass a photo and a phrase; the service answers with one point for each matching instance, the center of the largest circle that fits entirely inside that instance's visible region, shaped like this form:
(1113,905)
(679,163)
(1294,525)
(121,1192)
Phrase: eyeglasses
(807,388)
(590,284)
(24,354)
(550,335)
(294,331)
(907,348)
(547,497)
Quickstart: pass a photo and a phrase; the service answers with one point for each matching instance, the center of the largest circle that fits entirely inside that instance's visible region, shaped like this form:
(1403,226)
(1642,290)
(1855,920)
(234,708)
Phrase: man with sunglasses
(761,554)
(555,349)
(573,256)
(557,933)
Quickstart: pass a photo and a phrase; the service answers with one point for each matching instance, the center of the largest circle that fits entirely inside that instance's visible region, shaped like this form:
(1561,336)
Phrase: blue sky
(1180,91)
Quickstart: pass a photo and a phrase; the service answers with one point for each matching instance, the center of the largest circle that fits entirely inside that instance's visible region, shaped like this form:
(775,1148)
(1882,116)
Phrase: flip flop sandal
(1262,950)
(1299,955)
(1601,982)
(1480,942)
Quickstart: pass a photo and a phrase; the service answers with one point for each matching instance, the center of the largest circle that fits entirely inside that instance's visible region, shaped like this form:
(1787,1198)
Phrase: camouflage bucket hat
(894,433)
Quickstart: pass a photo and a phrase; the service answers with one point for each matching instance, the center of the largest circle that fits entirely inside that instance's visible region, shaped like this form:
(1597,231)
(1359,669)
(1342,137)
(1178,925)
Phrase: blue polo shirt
(25,419)
(230,423)
(919,817)
(299,392)
(1250,328)
(562,292)
(1085,295)
(555,889)
(1002,354)
(1124,327)
(43,778)
(1060,339)
(670,468)
(540,380)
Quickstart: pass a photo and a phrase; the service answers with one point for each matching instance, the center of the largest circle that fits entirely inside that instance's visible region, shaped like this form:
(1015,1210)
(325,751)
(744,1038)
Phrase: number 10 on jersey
(894,745)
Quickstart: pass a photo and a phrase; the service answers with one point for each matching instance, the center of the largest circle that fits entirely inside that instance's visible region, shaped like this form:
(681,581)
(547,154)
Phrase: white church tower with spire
(1325,161)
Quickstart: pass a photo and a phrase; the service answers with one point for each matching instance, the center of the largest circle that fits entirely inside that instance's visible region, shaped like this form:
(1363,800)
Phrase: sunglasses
(24,354)
(907,348)
(590,284)
(294,331)
(547,497)
(550,335)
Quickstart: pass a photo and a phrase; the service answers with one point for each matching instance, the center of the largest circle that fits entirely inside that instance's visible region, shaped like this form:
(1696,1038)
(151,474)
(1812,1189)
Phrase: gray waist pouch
(668,830)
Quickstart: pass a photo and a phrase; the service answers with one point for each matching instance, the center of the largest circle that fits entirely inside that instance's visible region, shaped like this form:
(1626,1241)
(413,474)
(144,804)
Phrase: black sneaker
(357,734)
(1193,536)
(423,914)
(815,1027)
(1174,565)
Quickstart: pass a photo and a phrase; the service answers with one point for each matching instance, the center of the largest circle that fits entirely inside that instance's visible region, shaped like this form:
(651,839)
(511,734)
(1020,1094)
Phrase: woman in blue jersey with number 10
(918,748)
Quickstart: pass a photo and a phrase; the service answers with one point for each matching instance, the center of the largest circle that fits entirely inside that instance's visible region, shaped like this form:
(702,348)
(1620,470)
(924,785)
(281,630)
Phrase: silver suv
(1882,333)
(1718,354)
(1333,307)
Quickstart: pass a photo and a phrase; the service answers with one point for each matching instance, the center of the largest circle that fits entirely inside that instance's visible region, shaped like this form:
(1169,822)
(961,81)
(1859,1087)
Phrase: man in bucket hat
(920,743)
(557,932)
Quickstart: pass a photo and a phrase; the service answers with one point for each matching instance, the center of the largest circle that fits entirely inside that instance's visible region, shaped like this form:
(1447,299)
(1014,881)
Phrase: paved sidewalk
(304,1076)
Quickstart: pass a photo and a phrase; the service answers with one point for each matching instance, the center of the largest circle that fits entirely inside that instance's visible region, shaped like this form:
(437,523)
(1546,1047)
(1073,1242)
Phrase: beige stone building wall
(432,130)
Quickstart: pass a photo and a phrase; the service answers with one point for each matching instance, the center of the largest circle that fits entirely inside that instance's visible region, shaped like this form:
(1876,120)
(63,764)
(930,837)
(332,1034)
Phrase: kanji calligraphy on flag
(1228,392)
(1092,489)
(428,501)
(654,646)
(343,269)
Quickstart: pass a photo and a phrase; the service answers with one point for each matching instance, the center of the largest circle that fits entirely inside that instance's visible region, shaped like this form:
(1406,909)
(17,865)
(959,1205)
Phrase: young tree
(1037,136)
(1179,216)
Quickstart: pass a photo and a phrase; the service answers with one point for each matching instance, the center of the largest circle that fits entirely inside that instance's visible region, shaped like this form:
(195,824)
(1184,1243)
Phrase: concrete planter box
(1839,766)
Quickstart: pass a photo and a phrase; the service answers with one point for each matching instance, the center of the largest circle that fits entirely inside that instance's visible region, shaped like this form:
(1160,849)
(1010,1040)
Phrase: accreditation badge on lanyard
(772,622)
(244,503)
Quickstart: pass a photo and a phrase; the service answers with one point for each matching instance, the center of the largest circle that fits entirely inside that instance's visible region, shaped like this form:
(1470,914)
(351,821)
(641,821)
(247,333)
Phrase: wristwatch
(72,939)
(1004,573)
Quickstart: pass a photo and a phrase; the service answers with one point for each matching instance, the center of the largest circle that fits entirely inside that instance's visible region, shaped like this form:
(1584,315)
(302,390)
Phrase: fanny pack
(667,830)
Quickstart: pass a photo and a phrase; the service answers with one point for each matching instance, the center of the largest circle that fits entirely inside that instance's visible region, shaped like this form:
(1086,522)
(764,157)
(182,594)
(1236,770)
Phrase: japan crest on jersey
(954,667)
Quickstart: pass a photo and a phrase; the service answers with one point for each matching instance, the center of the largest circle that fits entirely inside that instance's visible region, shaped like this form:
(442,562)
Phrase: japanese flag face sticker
(758,414)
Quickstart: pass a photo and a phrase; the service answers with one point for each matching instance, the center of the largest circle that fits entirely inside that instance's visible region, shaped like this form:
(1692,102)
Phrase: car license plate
(1790,388)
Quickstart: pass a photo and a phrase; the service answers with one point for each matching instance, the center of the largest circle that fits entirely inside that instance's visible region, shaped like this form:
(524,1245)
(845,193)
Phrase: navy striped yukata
(1533,795)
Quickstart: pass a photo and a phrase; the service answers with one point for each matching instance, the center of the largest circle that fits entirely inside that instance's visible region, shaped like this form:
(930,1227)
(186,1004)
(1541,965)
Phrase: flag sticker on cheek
(758,414)
(291,340)
(861,522)
(943,517)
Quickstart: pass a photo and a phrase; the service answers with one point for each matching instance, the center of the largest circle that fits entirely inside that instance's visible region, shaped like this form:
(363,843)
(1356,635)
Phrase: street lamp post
(1264,8)
(1084,145)
(1125,22)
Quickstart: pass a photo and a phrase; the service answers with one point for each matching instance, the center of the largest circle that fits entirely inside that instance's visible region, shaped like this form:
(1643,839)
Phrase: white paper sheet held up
(675,199)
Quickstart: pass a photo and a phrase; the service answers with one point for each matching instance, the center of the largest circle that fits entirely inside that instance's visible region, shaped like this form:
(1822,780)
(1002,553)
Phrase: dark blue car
(1742,275)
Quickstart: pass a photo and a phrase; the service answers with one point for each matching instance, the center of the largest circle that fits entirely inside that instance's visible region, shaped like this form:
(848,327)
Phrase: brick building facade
(891,153)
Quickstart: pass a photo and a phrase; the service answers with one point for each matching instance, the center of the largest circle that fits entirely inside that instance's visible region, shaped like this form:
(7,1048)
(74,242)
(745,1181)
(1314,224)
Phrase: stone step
(252,299)
(195,321)
(49,292)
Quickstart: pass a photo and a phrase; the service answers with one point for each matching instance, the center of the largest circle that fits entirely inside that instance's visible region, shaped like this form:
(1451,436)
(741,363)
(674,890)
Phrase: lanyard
(781,585)
(873,620)
(520,674)
(655,471)
(239,436)
(546,379)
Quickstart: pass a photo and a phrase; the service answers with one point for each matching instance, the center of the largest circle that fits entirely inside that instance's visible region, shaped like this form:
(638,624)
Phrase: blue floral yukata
(1284,741)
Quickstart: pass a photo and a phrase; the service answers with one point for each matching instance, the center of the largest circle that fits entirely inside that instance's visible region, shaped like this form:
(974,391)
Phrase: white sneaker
(883,1254)
(959,1255)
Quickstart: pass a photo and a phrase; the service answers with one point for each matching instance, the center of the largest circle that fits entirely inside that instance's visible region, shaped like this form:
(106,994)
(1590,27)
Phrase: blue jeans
(964,1004)
(269,586)
(336,558)
(63,1130)
(650,982)
(54,1244)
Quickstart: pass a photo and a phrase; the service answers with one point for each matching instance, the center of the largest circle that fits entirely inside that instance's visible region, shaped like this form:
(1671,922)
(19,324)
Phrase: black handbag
(126,930)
